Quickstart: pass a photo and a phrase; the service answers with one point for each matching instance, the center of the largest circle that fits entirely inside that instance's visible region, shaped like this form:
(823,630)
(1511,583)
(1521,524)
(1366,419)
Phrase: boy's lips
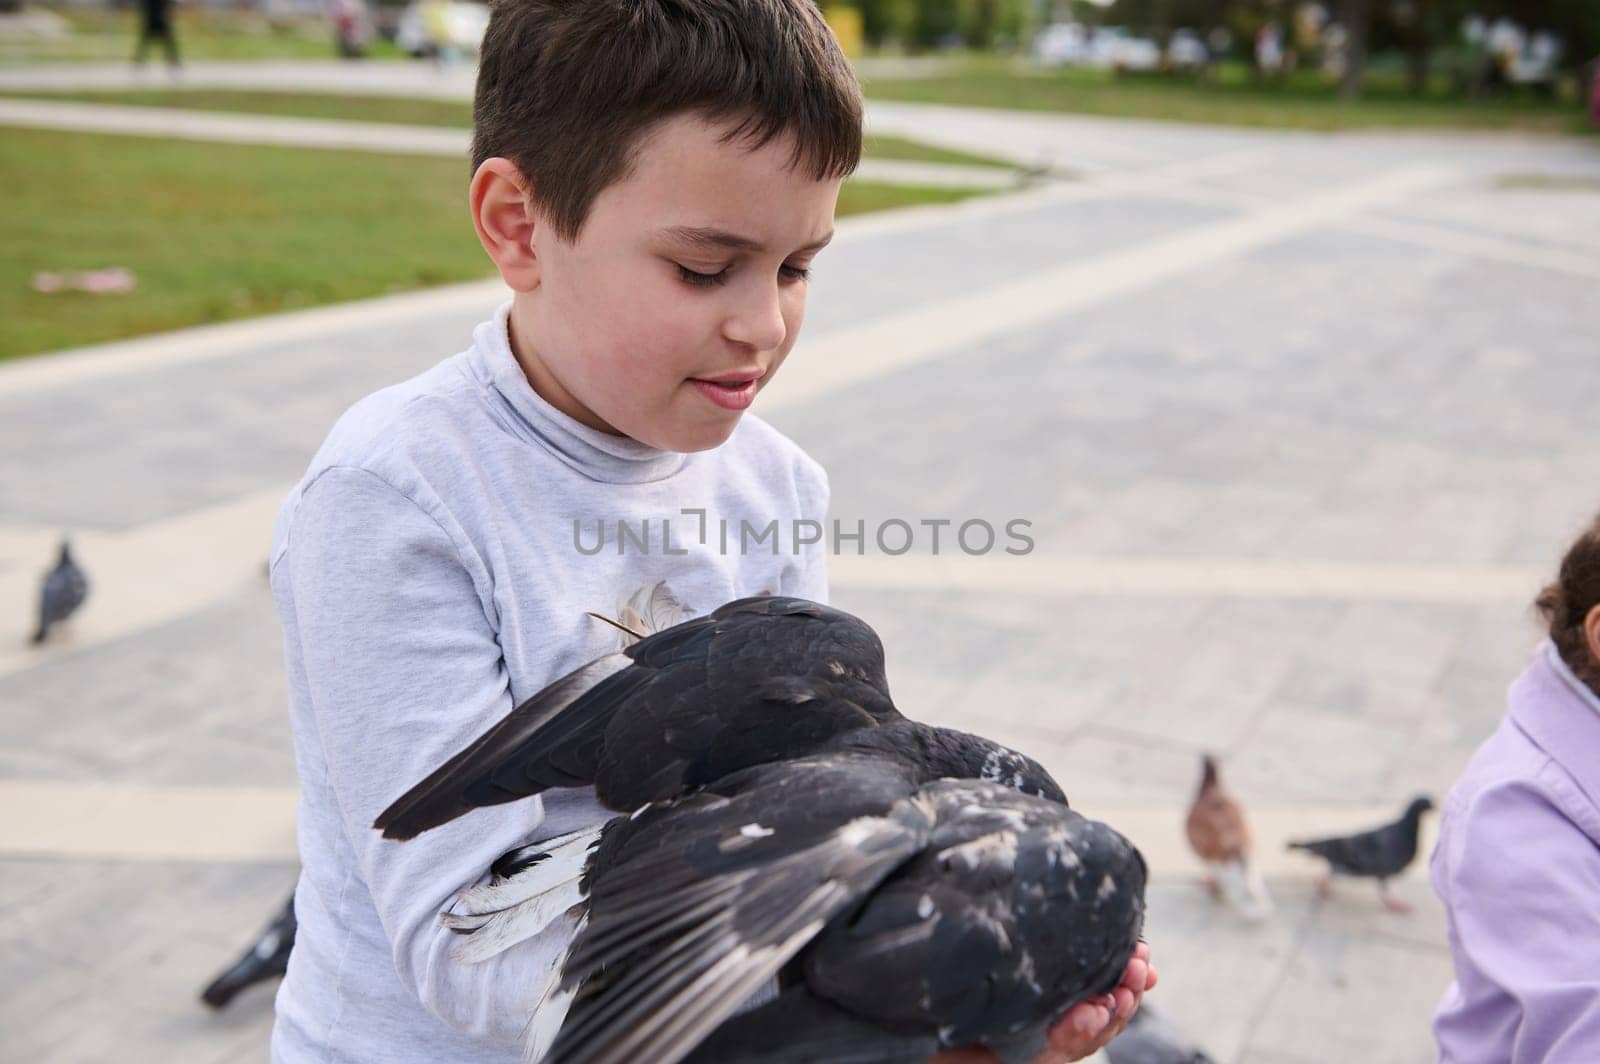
(734,391)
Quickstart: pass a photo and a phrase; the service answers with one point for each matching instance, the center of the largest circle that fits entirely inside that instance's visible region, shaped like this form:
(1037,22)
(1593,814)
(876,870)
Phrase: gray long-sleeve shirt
(429,576)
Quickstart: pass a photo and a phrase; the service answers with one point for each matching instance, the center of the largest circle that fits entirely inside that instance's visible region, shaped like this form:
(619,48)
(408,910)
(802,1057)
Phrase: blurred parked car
(1120,50)
(1062,44)
(1186,51)
(1106,47)
(428,26)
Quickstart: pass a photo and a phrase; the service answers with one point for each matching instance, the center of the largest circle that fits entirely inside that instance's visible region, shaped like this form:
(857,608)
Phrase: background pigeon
(1150,1039)
(267,958)
(1220,837)
(757,680)
(65,588)
(901,917)
(1378,854)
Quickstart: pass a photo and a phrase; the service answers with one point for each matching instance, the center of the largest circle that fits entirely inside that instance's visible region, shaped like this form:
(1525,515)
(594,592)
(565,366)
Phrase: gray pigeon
(65,588)
(1150,1039)
(1377,854)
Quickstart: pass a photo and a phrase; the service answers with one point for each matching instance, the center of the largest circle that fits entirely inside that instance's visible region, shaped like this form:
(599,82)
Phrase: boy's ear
(504,215)
(1591,632)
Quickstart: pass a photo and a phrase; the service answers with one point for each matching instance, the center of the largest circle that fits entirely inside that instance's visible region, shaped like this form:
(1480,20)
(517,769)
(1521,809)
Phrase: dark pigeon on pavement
(267,958)
(1150,1039)
(65,588)
(1380,854)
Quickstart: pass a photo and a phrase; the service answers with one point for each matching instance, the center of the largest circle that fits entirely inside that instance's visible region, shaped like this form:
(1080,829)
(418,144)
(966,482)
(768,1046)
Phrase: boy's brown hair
(1568,601)
(566,88)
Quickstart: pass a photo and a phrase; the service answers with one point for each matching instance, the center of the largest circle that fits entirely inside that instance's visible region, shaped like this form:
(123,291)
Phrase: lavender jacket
(1518,868)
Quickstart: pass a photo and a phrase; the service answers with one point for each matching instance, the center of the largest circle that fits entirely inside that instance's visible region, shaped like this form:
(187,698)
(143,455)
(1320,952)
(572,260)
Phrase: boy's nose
(757,321)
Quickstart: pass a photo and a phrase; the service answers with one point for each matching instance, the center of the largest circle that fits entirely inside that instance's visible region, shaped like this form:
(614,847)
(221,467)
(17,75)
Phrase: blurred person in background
(352,27)
(1517,864)
(155,24)
(1594,92)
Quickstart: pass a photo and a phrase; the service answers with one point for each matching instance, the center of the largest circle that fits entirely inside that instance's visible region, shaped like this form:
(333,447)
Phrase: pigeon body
(1220,836)
(757,680)
(65,589)
(1378,854)
(901,916)
(267,958)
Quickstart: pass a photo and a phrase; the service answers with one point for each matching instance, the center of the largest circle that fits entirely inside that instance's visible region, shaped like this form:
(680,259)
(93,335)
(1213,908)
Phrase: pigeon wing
(697,904)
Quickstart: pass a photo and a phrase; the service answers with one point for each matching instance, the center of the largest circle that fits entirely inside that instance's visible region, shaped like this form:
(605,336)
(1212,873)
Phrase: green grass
(201,33)
(217,232)
(1228,96)
(414,112)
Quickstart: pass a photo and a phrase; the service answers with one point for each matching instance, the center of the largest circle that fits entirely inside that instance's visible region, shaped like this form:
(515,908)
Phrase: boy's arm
(1523,880)
(402,668)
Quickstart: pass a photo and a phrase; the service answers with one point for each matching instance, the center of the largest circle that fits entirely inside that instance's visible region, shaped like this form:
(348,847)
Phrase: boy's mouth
(733,393)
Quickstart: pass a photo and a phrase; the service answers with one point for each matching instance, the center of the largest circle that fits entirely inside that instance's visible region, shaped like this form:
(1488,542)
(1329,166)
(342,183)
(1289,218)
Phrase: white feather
(550,1007)
(651,609)
(1244,888)
(499,914)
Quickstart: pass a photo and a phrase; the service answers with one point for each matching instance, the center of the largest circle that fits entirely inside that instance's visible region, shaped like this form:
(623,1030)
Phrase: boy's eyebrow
(710,237)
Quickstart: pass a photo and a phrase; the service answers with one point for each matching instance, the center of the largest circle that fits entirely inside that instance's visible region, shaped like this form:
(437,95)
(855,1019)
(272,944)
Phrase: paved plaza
(1299,423)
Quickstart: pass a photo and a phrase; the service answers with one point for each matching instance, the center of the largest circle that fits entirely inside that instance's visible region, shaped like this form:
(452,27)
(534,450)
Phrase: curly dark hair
(1565,603)
(568,88)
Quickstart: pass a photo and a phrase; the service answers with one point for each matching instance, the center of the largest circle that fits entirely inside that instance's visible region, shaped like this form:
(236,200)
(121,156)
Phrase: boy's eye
(703,280)
(706,280)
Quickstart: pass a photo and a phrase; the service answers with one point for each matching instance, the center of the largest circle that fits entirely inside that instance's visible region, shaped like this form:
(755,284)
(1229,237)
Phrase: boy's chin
(687,440)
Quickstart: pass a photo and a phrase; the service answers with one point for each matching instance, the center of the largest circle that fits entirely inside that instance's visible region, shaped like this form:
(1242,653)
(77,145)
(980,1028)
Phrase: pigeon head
(66,552)
(1208,772)
(1419,805)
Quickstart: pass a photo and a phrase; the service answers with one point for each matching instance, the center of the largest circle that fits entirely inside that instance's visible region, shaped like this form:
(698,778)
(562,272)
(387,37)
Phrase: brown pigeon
(1220,837)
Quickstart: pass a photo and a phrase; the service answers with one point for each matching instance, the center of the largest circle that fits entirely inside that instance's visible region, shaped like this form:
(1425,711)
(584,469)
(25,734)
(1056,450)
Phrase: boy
(653,179)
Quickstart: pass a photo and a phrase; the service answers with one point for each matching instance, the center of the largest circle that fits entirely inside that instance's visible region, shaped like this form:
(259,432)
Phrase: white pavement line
(337,134)
(415,80)
(102,362)
(936,175)
(143,822)
(326,133)
(146,576)
(136,822)
(1201,577)
(1497,248)
(851,357)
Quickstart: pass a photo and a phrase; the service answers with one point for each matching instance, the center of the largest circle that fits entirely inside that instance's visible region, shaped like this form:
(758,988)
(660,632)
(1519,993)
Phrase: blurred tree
(1356,17)
(936,23)
(887,21)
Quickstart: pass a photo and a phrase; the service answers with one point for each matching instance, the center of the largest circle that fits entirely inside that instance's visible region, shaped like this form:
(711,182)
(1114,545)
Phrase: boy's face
(688,272)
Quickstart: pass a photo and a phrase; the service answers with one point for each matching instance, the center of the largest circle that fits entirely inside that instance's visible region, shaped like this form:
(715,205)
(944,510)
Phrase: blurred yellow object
(846,25)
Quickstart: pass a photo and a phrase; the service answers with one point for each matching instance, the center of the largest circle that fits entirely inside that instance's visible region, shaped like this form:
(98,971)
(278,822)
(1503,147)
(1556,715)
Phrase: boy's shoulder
(403,422)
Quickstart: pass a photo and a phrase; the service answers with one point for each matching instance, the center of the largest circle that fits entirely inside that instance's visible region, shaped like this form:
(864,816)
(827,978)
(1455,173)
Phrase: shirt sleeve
(402,669)
(1523,880)
(811,581)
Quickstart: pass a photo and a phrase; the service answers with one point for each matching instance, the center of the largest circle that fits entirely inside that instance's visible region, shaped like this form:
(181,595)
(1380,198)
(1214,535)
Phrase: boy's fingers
(1137,975)
(1150,977)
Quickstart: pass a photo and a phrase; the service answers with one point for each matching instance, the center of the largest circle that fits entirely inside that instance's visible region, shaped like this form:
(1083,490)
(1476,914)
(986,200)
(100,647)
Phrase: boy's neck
(519,334)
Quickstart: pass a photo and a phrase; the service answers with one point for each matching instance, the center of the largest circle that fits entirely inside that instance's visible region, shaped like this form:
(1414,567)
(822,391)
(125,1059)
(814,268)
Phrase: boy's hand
(1087,1026)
